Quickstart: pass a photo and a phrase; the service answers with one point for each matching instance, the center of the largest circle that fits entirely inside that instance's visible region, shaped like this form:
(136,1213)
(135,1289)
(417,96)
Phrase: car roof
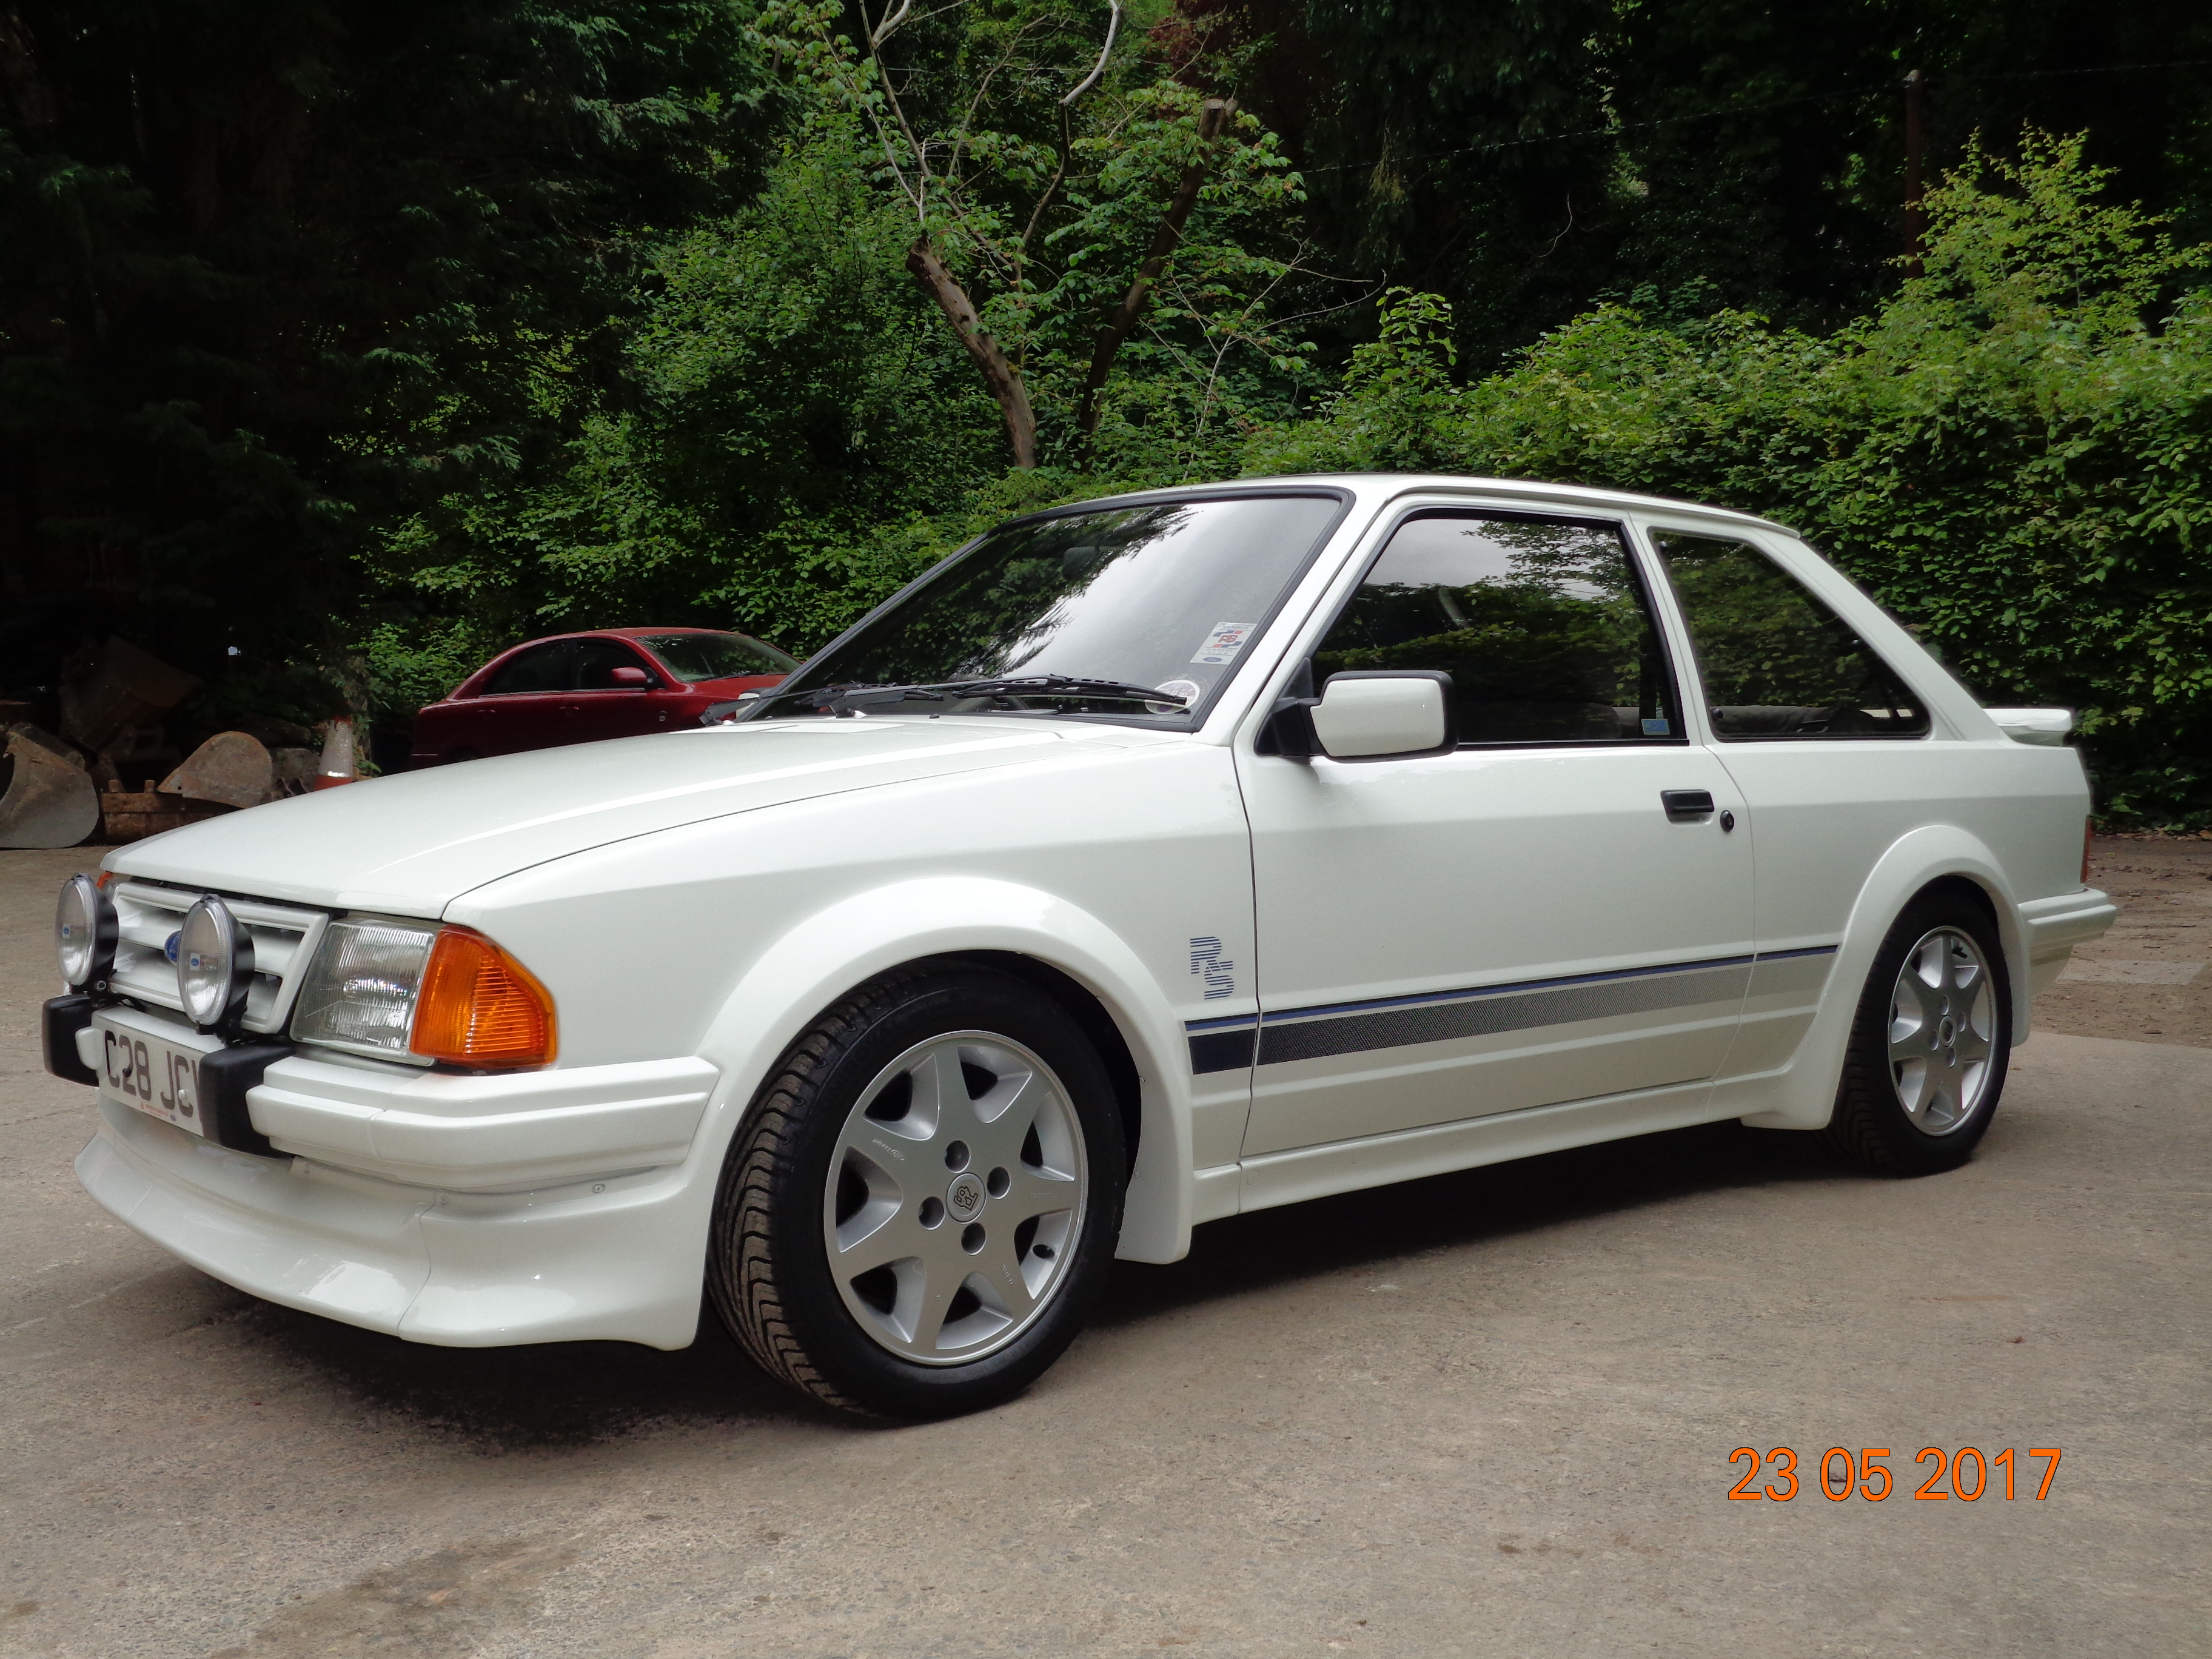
(632,634)
(1372,489)
(622,633)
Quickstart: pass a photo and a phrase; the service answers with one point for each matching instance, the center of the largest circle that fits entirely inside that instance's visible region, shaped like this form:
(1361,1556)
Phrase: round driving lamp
(84,933)
(215,965)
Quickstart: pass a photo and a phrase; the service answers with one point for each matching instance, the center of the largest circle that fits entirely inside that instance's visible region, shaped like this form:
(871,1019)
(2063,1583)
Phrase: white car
(1146,862)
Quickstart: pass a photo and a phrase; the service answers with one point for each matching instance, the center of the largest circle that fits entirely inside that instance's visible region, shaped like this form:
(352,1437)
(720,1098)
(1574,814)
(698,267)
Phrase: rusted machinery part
(48,801)
(230,767)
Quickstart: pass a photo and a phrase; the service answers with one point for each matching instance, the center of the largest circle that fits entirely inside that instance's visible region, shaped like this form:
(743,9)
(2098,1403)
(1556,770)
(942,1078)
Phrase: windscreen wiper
(847,699)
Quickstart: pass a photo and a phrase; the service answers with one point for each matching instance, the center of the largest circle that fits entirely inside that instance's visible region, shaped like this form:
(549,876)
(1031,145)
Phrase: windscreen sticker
(1186,690)
(1226,639)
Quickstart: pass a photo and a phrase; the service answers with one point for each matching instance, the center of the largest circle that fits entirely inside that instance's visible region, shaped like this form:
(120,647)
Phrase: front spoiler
(616,1260)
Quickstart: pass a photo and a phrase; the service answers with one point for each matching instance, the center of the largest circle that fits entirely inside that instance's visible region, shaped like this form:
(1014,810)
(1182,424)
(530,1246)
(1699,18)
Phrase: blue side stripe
(1234,1023)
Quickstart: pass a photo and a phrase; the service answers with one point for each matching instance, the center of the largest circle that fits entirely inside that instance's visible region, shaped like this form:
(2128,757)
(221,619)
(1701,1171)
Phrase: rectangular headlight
(360,990)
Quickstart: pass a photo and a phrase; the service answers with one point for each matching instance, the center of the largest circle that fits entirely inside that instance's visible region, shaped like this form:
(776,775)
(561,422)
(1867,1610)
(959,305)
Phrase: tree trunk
(1001,376)
(1213,118)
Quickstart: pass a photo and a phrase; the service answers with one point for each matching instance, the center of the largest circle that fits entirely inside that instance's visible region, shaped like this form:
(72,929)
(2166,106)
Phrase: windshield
(1165,596)
(694,657)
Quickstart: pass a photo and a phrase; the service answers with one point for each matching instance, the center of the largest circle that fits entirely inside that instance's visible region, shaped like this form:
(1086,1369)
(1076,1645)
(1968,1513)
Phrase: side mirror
(1370,715)
(1366,714)
(625,676)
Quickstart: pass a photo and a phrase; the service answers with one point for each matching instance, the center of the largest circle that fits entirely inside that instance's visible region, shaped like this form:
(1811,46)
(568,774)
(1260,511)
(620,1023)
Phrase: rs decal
(1206,959)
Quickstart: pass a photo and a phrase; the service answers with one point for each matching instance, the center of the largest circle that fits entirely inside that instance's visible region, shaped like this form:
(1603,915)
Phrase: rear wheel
(1930,1044)
(924,1202)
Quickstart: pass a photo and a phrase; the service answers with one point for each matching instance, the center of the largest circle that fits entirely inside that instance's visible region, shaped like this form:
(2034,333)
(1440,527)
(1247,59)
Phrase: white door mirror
(1365,715)
(2043,726)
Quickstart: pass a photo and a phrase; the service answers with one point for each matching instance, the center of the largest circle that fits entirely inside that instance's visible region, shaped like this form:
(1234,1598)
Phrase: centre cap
(964,1197)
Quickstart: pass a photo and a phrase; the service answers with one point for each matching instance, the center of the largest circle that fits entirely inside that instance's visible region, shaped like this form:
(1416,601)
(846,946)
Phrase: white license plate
(149,1075)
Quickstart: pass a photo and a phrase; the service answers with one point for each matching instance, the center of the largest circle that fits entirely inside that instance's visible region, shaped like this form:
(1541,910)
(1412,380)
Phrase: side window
(1777,662)
(597,660)
(1542,623)
(541,668)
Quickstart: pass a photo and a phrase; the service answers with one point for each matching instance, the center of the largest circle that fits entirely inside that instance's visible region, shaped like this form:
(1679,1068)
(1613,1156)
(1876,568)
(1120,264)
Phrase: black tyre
(922,1206)
(1929,1042)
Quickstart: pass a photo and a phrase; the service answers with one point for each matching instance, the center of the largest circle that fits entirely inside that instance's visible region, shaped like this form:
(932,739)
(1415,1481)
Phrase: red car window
(695,657)
(597,660)
(541,668)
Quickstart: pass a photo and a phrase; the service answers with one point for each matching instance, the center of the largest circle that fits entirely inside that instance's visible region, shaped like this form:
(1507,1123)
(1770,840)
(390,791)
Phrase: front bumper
(470,1211)
(454,1131)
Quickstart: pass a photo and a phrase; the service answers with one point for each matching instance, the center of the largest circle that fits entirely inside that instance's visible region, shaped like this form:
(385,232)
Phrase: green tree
(2010,452)
(271,270)
(1060,194)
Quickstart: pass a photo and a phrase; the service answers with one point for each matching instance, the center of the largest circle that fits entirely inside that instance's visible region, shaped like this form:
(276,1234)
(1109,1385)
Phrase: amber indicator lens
(479,1006)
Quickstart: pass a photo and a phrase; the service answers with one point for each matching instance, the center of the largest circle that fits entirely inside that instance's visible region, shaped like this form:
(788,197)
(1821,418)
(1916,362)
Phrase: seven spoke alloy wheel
(952,1194)
(924,1200)
(1929,1042)
(1941,1030)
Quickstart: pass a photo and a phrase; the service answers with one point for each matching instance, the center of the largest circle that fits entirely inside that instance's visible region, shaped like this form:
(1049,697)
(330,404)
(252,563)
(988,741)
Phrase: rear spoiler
(2044,726)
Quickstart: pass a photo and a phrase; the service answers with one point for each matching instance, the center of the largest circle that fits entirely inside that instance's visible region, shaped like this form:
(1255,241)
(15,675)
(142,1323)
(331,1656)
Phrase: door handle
(1684,805)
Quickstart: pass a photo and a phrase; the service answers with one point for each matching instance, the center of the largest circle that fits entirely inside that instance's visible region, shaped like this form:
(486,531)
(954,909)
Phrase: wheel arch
(1062,950)
(1935,858)
(1080,1004)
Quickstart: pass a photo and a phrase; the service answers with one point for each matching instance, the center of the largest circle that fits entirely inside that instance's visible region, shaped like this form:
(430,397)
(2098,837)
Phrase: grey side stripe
(1315,1039)
(1294,1033)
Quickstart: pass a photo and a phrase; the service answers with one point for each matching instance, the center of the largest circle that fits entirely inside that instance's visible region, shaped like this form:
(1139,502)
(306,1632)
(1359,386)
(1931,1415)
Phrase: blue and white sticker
(1226,639)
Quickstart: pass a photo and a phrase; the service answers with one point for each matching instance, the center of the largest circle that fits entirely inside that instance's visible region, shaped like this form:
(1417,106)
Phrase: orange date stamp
(1842,1473)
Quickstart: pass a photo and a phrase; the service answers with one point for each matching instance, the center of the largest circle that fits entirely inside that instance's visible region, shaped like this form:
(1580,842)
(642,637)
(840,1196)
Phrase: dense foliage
(272,270)
(2014,452)
(1526,160)
(341,344)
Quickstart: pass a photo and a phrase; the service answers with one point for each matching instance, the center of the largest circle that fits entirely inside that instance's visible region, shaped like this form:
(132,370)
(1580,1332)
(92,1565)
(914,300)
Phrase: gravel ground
(2147,980)
(1489,1415)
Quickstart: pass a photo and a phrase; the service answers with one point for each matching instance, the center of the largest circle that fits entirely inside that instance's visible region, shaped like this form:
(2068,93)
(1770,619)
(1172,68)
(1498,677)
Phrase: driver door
(1521,920)
(596,708)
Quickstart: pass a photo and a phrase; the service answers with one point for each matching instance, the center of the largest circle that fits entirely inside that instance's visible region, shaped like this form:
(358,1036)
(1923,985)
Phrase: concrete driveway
(1489,1415)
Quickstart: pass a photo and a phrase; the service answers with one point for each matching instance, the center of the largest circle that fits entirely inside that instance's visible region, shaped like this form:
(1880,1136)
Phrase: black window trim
(1203,711)
(1621,530)
(1652,532)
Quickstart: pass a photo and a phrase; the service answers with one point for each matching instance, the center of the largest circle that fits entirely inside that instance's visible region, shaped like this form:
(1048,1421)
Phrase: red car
(578,688)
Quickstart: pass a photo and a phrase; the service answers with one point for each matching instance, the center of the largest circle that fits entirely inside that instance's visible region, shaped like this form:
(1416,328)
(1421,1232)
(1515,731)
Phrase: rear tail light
(479,1006)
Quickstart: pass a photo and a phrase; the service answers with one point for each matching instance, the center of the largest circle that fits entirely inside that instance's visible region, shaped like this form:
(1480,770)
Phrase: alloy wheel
(956,1193)
(1942,1031)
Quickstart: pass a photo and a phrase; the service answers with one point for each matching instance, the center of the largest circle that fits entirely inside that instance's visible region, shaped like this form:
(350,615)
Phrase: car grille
(149,915)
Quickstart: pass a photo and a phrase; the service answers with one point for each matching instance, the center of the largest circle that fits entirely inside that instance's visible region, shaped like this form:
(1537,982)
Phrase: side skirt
(1346,1166)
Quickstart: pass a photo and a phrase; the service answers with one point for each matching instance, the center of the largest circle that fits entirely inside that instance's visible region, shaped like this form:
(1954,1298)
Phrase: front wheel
(1929,1042)
(924,1202)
